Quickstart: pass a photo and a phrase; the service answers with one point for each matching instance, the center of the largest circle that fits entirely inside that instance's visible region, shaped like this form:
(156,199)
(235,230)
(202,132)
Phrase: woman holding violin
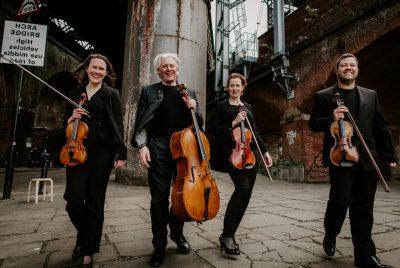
(87,179)
(240,155)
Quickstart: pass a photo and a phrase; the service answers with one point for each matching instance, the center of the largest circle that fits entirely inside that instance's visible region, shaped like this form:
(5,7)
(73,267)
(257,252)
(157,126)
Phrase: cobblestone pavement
(283,227)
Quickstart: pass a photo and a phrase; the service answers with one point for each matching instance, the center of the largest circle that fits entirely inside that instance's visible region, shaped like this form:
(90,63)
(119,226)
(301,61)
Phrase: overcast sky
(253,8)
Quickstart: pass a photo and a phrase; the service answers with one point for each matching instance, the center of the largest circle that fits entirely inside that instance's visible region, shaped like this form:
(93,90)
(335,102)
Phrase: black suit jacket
(150,99)
(112,103)
(371,123)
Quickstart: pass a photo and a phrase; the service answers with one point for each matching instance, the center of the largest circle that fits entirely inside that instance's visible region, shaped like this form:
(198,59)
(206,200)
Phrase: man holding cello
(162,111)
(353,186)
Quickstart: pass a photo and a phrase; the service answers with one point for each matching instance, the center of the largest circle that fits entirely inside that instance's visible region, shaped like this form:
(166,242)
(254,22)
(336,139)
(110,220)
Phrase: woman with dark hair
(87,183)
(228,115)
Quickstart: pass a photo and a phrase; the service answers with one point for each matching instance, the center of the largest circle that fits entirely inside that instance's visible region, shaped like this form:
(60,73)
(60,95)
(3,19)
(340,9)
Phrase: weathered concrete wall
(155,27)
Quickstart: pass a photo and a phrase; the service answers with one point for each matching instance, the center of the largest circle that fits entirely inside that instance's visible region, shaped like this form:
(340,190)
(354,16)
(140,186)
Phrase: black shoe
(156,258)
(181,243)
(329,244)
(228,244)
(371,261)
(76,253)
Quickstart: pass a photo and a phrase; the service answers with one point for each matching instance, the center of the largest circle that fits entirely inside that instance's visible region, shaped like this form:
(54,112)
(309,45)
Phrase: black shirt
(172,115)
(351,100)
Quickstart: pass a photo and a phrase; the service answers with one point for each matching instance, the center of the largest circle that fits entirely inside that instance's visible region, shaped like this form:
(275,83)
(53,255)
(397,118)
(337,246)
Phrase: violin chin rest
(346,163)
(248,166)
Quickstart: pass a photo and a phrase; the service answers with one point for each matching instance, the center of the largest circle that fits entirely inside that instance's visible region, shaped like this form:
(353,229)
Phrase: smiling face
(168,71)
(235,88)
(96,71)
(347,70)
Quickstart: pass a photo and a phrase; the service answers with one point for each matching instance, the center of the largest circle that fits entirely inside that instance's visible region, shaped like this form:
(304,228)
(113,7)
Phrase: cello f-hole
(192,171)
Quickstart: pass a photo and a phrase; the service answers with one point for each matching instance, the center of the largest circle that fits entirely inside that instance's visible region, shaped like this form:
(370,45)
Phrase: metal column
(221,45)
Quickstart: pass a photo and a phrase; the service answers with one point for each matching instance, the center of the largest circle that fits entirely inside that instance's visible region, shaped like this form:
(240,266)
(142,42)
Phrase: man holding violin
(352,186)
(161,112)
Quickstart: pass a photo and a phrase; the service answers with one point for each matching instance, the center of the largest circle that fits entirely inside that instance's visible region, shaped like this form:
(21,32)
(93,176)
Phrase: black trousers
(85,194)
(244,182)
(161,172)
(355,189)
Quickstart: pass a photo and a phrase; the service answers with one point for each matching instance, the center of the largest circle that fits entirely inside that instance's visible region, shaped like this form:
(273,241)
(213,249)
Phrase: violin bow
(49,86)
(259,150)
(371,158)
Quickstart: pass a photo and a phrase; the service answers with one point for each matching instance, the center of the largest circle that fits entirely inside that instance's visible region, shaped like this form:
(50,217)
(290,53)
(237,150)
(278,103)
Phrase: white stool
(45,181)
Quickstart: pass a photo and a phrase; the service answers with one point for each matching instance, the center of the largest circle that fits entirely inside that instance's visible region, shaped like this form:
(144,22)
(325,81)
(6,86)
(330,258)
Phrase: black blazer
(112,103)
(371,123)
(150,99)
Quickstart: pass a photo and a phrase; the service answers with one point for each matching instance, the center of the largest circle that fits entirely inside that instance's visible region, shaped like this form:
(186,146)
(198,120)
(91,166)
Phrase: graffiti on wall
(291,135)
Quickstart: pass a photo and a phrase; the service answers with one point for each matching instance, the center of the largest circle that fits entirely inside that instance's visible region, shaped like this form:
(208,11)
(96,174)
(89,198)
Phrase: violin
(195,195)
(241,156)
(360,136)
(342,153)
(74,152)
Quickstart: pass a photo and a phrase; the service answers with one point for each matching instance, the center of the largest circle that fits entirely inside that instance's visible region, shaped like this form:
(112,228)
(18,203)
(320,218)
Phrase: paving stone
(65,244)
(272,264)
(16,228)
(334,263)
(172,260)
(129,226)
(387,241)
(395,224)
(290,254)
(344,247)
(59,219)
(390,257)
(309,245)
(135,248)
(380,217)
(215,258)
(29,262)
(391,210)
(304,215)
(269,256)
(215,224)
(51,227)
(20,250)
(24,239)
(107,253)
(61,259)
(260,220)
(132,235)
(197,242)
(276,209)
(285,232)
(134,220)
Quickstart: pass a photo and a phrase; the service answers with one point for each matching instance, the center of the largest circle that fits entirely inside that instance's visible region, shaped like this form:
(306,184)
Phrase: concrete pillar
(154,27)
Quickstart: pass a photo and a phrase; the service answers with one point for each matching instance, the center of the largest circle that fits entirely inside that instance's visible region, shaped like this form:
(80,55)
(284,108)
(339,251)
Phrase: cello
(195,195)
(74,152)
